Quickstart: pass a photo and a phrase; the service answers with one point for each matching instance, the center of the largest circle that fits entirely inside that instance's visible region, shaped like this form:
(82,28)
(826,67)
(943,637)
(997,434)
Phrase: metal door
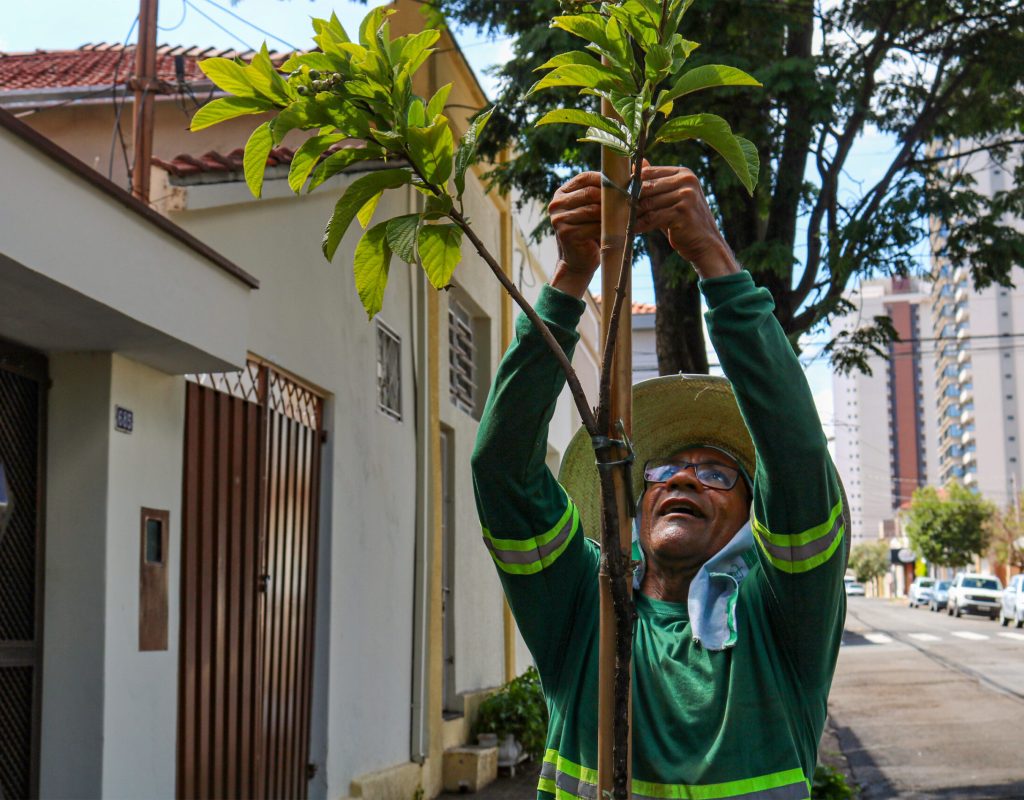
(23,377)
(251,493)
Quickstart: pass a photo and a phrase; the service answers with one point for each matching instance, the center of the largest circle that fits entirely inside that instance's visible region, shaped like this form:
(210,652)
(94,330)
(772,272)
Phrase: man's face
(684,522)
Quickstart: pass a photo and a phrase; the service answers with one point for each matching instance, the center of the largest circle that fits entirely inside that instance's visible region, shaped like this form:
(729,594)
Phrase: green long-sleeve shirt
(737,723)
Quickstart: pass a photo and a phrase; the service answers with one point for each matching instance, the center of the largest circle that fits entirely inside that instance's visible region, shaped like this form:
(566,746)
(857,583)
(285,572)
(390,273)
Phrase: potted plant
(518,716)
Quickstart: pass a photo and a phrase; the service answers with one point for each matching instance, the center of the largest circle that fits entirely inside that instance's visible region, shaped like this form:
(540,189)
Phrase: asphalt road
(930,706)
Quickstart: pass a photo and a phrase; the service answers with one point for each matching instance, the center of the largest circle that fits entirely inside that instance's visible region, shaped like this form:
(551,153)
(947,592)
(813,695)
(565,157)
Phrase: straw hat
(670,414)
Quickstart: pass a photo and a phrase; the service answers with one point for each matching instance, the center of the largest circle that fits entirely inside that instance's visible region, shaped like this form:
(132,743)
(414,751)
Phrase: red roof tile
(212,162)
(639,309)
(98,64)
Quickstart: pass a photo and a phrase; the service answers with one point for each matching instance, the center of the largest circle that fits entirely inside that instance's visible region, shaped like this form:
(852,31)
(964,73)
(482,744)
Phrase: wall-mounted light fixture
(6,502)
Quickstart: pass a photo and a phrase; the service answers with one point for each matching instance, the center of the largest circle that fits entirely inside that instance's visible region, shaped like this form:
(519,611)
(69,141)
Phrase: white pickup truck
(975,594)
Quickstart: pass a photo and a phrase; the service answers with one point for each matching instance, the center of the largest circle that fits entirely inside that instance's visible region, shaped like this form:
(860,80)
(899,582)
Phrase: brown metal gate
(23,377)
(251,493)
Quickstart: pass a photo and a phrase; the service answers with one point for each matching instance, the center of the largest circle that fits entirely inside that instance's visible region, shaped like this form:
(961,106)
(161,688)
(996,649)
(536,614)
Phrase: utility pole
(614,216)
(145,85)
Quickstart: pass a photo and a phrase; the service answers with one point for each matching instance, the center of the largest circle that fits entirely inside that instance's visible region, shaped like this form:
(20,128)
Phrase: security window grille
(389,371)
(461,358)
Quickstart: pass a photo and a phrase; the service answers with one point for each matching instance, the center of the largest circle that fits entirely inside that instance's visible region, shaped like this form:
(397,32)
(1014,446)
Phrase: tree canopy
(869,560)
(941,78)
(948,528)
(1006,543)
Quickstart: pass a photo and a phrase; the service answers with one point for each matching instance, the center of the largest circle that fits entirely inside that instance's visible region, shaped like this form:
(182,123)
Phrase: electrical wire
(244,21)
(212,21)
(179,23)
(119,108)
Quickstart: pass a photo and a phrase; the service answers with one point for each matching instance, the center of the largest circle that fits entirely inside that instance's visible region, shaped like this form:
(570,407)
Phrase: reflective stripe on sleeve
(528,556)
(566,780)
(802,552)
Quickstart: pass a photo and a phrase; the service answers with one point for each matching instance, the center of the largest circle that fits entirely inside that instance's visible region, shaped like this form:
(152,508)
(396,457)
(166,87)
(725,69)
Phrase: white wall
(145,471)
(75,576)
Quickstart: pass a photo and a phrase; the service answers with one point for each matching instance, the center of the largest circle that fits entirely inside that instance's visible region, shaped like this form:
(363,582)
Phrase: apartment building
(885,421)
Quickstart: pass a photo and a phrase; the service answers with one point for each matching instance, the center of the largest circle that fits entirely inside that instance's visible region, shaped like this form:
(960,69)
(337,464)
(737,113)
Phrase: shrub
(518,708)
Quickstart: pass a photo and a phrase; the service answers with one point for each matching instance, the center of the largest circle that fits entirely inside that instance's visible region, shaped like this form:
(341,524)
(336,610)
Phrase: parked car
(975,594)
(920,592)
(940,594)
(1013,602)
(854,588)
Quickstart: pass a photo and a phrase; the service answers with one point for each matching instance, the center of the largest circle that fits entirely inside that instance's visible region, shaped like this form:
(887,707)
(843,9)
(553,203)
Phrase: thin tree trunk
(679,334)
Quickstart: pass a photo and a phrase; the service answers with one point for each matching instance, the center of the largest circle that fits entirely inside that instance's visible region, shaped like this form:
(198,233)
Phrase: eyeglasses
(709,473)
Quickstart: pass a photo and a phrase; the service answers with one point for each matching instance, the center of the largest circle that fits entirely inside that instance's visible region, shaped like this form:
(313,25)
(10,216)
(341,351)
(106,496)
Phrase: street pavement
(929,706)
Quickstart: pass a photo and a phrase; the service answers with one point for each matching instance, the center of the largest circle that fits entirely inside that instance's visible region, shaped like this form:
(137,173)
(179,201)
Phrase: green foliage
(830,784)
(1006,536)
(932,77)
(869,560)
(517,708)
(950,528)
(644,58)
(359,90)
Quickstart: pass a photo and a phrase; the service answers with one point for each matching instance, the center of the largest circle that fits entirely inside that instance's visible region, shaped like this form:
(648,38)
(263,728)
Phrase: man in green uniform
(741,530)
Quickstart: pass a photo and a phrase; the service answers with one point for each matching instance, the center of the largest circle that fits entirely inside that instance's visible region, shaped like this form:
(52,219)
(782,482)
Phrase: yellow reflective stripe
(797,539)
(749,787)
(533,566)
(795,567)
(536,541)
(717,791)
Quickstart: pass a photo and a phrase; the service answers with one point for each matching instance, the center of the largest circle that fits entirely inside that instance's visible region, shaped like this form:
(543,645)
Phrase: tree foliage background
(1006,529)
(948,528)
(940,77)
(869,560)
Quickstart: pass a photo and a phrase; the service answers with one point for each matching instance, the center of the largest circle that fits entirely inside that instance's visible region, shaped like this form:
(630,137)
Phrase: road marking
(925,637)
(1018,636)
(878,638)
(974,637)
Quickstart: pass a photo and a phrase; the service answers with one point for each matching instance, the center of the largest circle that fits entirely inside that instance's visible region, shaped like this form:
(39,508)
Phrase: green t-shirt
(743,722)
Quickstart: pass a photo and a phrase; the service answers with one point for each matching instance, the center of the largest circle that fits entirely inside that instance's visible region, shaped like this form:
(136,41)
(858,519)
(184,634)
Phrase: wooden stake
(145,86)
(614,216)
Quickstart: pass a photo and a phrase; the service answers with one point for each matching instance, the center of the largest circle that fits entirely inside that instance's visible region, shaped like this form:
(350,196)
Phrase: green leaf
(572,57)
(265,78)
(370,264)
(337,162)
(574,116)
(319,61)
(431,150)
(254,161)
(705,77)
(466,153)
(613,143)
(638,25)
(440,249)
(657,63)
(402,236)
(229,76)
(355,197)
(417,116)
(599,77)
(716,133)
(414,48)
(437,207)
(306,156)
(371,24)
(753,161)
(438,101)
(227,108)
(366,212)
(598,30)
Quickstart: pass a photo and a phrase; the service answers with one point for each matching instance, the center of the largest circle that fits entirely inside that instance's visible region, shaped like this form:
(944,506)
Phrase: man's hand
(576,217)
(672,201)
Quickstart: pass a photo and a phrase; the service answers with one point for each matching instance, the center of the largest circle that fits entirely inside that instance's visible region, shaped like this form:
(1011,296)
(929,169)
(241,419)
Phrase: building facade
(885,421)
(244,545)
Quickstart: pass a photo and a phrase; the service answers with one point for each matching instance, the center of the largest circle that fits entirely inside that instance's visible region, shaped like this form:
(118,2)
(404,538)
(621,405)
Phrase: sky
(66,24)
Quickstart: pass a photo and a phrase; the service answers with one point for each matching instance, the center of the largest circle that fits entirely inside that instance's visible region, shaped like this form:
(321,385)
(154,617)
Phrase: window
(389,372)
(469,336)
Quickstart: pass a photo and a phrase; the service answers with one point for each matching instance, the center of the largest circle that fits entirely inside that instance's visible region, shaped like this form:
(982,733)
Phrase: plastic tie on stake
(606,442)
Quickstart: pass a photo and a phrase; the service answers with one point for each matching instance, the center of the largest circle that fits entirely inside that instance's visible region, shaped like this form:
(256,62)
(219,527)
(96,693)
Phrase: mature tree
(1006,528)
(869,560)
(941,77)
(949,527)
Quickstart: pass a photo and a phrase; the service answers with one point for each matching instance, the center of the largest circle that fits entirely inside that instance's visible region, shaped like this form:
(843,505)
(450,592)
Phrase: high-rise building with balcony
(885,422)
